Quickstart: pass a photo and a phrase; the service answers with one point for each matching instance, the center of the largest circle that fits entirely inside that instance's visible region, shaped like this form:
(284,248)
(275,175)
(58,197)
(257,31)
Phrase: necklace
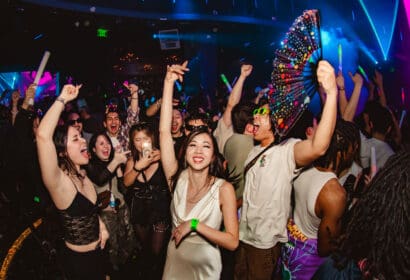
(194,198)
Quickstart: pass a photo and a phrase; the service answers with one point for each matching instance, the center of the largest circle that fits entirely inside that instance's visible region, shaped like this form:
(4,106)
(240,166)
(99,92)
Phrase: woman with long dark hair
(148,197)
(202,199)
(104,170)
(61,158)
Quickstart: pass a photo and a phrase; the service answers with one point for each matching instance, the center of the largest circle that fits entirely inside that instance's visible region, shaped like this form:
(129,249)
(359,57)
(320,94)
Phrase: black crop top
(80,221)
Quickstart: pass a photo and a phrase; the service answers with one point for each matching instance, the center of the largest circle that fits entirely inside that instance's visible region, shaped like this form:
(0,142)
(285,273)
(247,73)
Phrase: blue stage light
(381,23)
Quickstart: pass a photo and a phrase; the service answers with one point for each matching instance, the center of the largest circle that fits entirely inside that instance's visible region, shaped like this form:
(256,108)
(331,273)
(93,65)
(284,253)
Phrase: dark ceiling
(243,30)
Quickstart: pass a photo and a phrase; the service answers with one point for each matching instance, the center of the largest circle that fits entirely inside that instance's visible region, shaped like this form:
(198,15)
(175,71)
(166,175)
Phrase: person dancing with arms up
(201,198)
(269,171)
(61,153)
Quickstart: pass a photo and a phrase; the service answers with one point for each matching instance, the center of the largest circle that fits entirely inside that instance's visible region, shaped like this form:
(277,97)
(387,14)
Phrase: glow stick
(40,71)
(225,81)
(178,84)
(234,80)
(403,114)
(41,67)
(403,95)
(361,70)
(373,165)
(339,52)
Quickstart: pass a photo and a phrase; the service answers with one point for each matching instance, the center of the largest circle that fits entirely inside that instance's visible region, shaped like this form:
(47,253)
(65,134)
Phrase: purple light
(407,8)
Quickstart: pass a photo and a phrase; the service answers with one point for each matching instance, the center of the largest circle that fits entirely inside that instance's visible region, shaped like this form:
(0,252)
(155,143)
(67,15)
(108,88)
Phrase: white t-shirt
(383,151)
(115,143)
(266,196)
(222,133)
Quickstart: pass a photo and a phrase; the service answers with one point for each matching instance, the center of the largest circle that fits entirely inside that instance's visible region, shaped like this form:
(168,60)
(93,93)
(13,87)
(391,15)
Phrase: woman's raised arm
(47,153)
(168,159)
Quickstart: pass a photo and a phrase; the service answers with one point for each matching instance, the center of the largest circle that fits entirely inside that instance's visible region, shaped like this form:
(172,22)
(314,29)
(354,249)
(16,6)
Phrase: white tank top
(307,188)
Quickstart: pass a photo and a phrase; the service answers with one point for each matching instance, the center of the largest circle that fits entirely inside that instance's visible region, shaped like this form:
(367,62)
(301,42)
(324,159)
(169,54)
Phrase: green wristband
(194,224)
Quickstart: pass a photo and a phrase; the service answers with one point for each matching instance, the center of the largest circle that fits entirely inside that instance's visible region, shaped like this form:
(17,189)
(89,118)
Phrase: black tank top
(80,220)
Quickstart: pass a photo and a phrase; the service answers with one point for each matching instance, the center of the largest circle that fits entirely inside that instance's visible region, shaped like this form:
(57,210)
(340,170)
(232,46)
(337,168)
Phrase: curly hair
(346,142)
(379,229)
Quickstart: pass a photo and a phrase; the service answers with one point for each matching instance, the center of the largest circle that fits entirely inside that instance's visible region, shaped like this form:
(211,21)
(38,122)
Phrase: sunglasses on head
(196,127)
(261,111)
(72,122)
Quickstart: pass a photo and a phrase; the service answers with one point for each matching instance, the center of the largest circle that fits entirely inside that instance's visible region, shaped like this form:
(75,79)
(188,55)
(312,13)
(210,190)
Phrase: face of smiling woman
(200,152)
(102,148)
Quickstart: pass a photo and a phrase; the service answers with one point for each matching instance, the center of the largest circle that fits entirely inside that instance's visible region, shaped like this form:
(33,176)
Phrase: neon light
(403,95)
(179,86)
(15,247)
(339,53)
(225,81)
(102,33)
(361,70)
(375,18)
(38,36)
(407,8)
(403,114)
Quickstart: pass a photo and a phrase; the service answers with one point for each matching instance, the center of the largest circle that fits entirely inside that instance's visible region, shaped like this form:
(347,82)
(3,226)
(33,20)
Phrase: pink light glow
(407,8)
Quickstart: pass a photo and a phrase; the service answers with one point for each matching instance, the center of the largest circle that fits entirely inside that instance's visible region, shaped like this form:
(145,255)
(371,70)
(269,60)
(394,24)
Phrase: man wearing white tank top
(319,206)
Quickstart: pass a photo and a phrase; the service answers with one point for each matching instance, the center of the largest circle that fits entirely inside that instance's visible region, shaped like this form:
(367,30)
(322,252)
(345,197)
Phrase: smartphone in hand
(146,149)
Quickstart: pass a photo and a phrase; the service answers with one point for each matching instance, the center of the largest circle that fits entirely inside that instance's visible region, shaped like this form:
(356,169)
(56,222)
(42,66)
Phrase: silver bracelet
(60,99)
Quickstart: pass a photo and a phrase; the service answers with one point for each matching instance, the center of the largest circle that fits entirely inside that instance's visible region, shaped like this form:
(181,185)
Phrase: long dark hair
(93,142)
(216,168)
(60,141)
(148,130)
(379,229)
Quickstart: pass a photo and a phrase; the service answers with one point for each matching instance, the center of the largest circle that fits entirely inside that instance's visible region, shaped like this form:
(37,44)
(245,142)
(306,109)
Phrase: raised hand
(356,78)
(145,162)
(121,157)
(70,92)
(30,91)
(378,78)
(326,77)
(246,70)
(340,80)
(176,72)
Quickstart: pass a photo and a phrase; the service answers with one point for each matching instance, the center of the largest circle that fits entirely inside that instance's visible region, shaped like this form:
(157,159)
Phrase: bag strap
(255,159)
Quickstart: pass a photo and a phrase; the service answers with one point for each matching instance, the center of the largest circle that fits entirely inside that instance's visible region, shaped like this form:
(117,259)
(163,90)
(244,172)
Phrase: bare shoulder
(64,192)
(332,197)
(334,188)
(226,189)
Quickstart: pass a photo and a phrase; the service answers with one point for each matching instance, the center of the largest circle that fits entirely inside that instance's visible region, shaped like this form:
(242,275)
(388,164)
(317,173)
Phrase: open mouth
(84,152)
(255,128)
(197,159)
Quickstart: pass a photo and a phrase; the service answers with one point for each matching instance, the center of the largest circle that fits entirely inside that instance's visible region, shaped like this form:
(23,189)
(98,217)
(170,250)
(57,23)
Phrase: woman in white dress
(201,199)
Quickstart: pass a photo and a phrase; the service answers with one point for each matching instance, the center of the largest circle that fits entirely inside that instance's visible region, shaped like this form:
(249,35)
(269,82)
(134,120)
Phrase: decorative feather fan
(294,71)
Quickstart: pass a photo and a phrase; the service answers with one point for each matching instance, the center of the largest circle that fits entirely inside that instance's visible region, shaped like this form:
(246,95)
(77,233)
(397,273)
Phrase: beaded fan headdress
(294,71)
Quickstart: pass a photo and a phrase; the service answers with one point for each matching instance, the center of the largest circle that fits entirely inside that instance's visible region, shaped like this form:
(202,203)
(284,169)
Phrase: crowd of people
(193,196)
